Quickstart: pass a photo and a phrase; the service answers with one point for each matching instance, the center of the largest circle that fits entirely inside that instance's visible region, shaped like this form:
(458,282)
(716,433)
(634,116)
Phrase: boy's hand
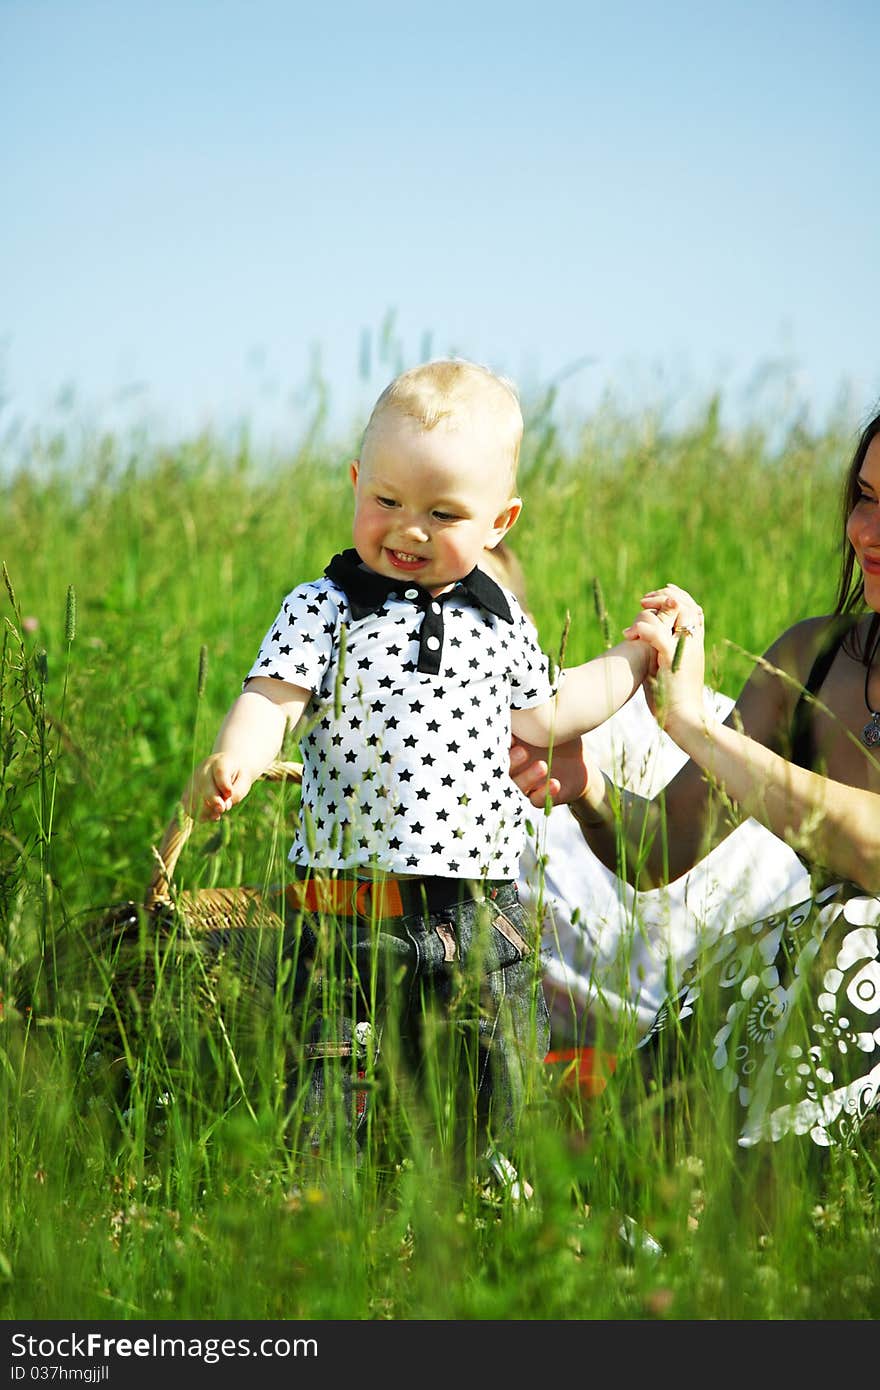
(217,784)
(530,770)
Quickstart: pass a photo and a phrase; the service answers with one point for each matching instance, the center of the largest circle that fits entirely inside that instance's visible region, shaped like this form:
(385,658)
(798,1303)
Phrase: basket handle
(180,827)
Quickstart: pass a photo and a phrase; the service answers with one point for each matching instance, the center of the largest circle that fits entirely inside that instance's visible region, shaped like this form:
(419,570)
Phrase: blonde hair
(453,391)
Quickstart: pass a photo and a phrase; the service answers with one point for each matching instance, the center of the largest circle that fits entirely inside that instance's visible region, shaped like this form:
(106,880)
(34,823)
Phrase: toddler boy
(405,667)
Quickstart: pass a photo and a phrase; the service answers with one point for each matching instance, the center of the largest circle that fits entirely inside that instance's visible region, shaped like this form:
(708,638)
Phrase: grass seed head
(9,589)
(70,617)
(601,611)
(203,670)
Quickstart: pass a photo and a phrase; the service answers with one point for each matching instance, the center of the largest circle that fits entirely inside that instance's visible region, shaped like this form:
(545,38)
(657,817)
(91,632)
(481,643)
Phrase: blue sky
(208,205)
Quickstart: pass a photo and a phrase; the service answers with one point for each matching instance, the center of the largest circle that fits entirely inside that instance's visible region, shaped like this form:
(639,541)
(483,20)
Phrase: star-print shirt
(406,738)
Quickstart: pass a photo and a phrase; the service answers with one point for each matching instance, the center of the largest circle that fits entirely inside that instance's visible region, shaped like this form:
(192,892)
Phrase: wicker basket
(207,909)
(105,967)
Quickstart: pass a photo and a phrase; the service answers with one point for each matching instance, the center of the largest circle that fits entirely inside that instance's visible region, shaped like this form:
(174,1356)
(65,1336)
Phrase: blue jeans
(441,1005)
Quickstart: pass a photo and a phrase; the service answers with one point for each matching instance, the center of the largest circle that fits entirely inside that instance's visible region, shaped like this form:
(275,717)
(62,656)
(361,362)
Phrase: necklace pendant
(871,731)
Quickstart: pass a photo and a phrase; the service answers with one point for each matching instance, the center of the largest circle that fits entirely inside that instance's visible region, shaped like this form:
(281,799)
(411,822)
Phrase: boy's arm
(249,738)
(587,696)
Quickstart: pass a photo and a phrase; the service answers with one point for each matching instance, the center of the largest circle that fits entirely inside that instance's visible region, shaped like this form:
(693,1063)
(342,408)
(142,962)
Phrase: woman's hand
(672,624)
(570,766)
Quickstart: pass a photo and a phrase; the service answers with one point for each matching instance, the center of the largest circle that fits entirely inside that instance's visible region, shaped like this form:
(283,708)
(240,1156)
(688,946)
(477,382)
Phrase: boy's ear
(504,520)
(354,469)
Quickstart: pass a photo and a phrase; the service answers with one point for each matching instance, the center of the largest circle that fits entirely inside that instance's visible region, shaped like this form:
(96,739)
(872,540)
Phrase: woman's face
(863,526)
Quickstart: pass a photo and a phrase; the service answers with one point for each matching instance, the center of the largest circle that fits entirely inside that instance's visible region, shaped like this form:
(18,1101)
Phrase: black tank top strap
(803,747)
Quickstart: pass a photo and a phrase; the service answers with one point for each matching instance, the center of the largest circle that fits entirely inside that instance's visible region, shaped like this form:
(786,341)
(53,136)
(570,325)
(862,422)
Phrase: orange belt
(347,897)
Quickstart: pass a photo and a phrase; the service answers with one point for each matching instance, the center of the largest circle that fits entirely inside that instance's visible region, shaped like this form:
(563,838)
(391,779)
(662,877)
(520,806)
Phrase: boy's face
(429,502)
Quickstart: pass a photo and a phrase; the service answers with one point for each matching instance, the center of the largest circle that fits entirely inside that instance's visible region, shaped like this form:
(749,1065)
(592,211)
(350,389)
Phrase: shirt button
(435,608)
(410,593)
(433,643)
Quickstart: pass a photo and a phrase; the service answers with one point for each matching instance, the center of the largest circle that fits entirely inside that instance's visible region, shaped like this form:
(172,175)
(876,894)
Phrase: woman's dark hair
(851,586)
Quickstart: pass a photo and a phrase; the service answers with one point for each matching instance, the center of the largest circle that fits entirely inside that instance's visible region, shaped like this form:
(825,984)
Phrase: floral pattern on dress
(797,997)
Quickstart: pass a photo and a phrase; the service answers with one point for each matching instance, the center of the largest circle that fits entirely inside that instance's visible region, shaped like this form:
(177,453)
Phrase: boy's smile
(402,561)
(428,503)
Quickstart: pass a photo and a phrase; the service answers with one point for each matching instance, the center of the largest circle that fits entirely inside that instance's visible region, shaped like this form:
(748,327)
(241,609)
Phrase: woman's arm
(833,824)
(829,823)
(654,841)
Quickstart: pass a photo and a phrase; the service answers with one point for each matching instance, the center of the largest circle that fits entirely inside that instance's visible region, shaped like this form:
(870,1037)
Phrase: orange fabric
(345,897)
(586,1068)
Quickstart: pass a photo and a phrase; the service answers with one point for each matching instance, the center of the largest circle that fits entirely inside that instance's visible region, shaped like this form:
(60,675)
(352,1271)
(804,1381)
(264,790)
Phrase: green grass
(163,1177)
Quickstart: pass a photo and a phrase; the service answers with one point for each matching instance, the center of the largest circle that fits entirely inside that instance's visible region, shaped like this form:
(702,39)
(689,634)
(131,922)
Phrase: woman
(791,1006)
(607,969)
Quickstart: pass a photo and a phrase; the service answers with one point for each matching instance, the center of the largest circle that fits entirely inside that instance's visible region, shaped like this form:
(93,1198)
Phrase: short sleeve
(531,683)
(299,645)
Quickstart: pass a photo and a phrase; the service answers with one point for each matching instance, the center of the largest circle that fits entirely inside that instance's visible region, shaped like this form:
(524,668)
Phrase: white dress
(612,954)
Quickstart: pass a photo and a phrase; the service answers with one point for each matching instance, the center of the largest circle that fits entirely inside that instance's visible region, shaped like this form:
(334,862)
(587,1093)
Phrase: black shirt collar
(366,591)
